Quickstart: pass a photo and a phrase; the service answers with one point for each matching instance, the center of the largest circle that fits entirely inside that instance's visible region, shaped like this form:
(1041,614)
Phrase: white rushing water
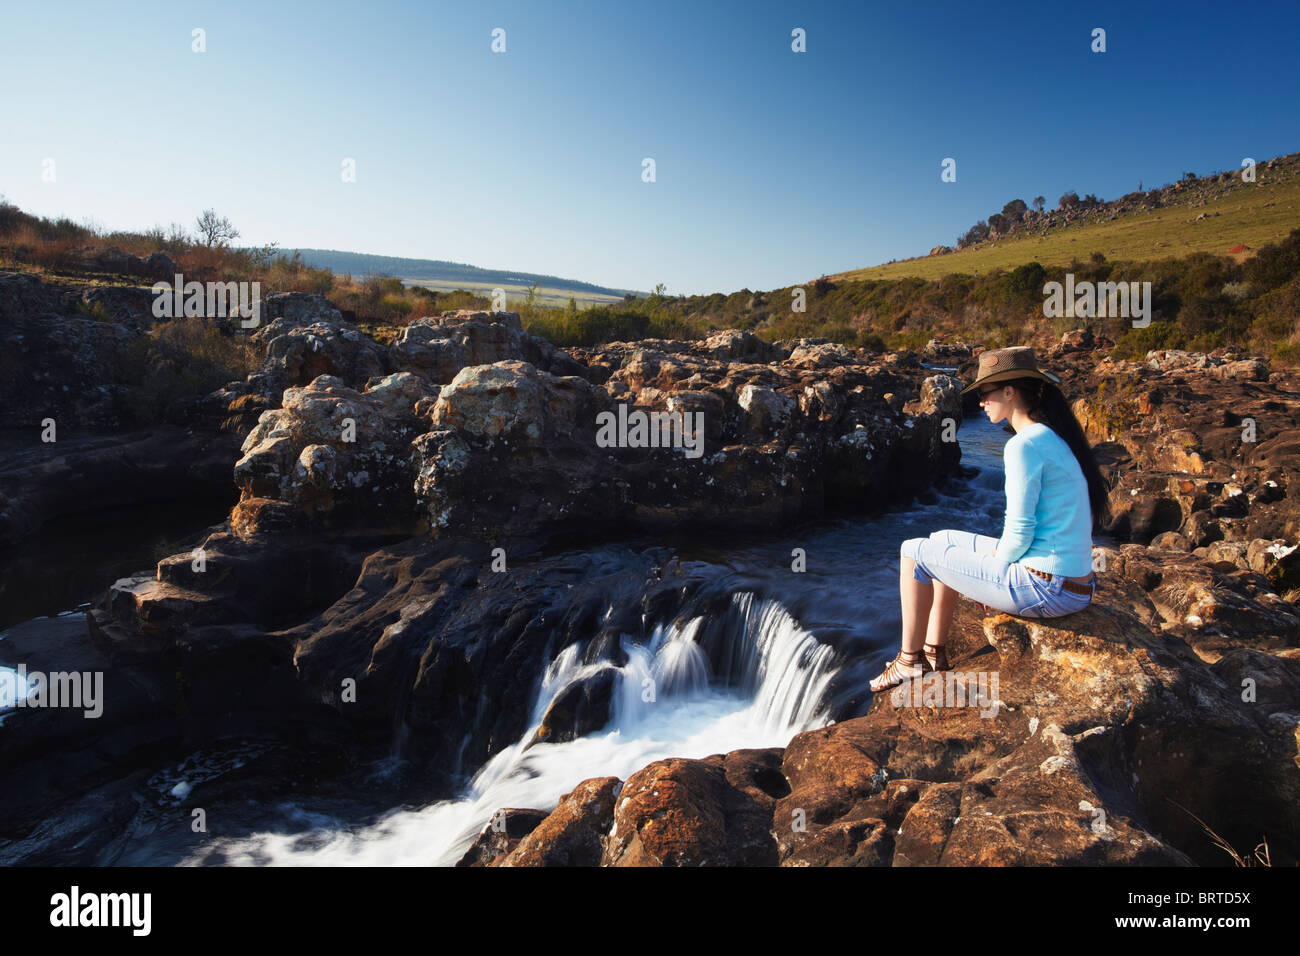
(666,704)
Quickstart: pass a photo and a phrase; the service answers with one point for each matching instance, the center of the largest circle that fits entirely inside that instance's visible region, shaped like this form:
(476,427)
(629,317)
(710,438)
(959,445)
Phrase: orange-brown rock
(571,835)
(1103,743)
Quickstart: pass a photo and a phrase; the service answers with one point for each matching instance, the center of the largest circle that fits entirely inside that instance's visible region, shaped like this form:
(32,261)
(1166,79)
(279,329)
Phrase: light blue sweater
(1048,525)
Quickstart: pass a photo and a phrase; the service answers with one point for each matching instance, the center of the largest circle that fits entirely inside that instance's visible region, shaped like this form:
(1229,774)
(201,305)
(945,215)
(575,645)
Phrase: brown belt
(1066,583)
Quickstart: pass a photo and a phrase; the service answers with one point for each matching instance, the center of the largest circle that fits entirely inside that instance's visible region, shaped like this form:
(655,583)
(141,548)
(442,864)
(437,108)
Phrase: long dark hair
(1044,402)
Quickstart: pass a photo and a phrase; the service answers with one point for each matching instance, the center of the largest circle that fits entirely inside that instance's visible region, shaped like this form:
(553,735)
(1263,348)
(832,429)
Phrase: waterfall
(667,702)
(789,668)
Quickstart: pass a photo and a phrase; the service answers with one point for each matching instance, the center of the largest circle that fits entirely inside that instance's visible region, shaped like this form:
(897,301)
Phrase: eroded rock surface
(1101,743)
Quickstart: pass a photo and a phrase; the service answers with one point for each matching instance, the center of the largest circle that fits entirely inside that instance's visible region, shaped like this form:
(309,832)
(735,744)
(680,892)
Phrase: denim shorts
(965,562)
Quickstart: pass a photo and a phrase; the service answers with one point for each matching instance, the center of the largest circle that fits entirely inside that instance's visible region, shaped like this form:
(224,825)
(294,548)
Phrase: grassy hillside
(1235,213)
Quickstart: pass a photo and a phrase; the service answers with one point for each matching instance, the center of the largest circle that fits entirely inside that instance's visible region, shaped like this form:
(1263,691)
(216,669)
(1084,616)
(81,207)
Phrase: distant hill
(439,272)
(1217,213)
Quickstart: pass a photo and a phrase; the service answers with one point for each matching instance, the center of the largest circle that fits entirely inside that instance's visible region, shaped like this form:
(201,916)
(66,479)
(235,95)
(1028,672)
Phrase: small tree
(1038,203)
(215,230)
(976,233)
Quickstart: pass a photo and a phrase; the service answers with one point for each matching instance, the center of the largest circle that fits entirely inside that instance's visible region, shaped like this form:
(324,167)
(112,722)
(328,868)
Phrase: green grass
(1251,214)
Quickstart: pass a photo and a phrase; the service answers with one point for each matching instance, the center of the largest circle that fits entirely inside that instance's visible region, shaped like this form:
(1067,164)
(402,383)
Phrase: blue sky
(772,167)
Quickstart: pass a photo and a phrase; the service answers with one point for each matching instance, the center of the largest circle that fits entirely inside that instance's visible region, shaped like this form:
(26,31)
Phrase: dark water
(72,561)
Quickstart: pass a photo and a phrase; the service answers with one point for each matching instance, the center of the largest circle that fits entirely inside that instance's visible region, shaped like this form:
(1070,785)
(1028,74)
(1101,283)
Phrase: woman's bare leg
(916,599)
(941,611)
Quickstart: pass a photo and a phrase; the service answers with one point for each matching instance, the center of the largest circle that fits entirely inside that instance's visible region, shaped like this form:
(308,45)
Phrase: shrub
(1275,264)
(178,360)
(1135,343)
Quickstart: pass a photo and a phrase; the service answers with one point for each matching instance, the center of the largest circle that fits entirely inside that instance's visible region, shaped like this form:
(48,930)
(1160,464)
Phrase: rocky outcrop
(300,350)
(439,347)
(512,448)
(157,265)
(571,834)
(338,455)
(56,361)
(937,350)
(70,425)
(1204,446)
(1089,739)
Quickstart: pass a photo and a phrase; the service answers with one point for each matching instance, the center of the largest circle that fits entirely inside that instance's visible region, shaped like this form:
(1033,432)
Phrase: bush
(1135,343)
(181,359)
(1275,265)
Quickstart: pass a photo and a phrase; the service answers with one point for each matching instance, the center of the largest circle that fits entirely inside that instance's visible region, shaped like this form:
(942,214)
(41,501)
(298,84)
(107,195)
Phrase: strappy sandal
(940,661)
(893,674)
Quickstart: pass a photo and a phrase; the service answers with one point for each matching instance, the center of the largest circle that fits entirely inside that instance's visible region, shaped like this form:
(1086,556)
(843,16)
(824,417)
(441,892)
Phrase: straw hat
(1001,365)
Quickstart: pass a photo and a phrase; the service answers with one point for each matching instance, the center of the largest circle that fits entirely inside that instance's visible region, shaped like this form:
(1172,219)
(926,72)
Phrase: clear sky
(773,167)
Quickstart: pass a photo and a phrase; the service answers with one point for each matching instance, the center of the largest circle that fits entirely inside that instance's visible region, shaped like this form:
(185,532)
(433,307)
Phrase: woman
(1042,564)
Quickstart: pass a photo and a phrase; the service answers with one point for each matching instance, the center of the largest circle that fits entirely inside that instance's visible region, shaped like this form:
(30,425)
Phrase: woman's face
(994,401)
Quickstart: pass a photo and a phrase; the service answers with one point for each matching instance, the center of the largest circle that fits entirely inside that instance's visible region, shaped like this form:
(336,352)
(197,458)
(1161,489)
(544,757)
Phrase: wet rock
(432,635)
(573,833)
(501,836)
(709,812)
(580,709)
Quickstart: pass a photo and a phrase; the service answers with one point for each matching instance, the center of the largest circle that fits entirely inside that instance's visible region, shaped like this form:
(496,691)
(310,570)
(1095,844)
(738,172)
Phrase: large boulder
(338,455)
(438,347)
(299,351)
